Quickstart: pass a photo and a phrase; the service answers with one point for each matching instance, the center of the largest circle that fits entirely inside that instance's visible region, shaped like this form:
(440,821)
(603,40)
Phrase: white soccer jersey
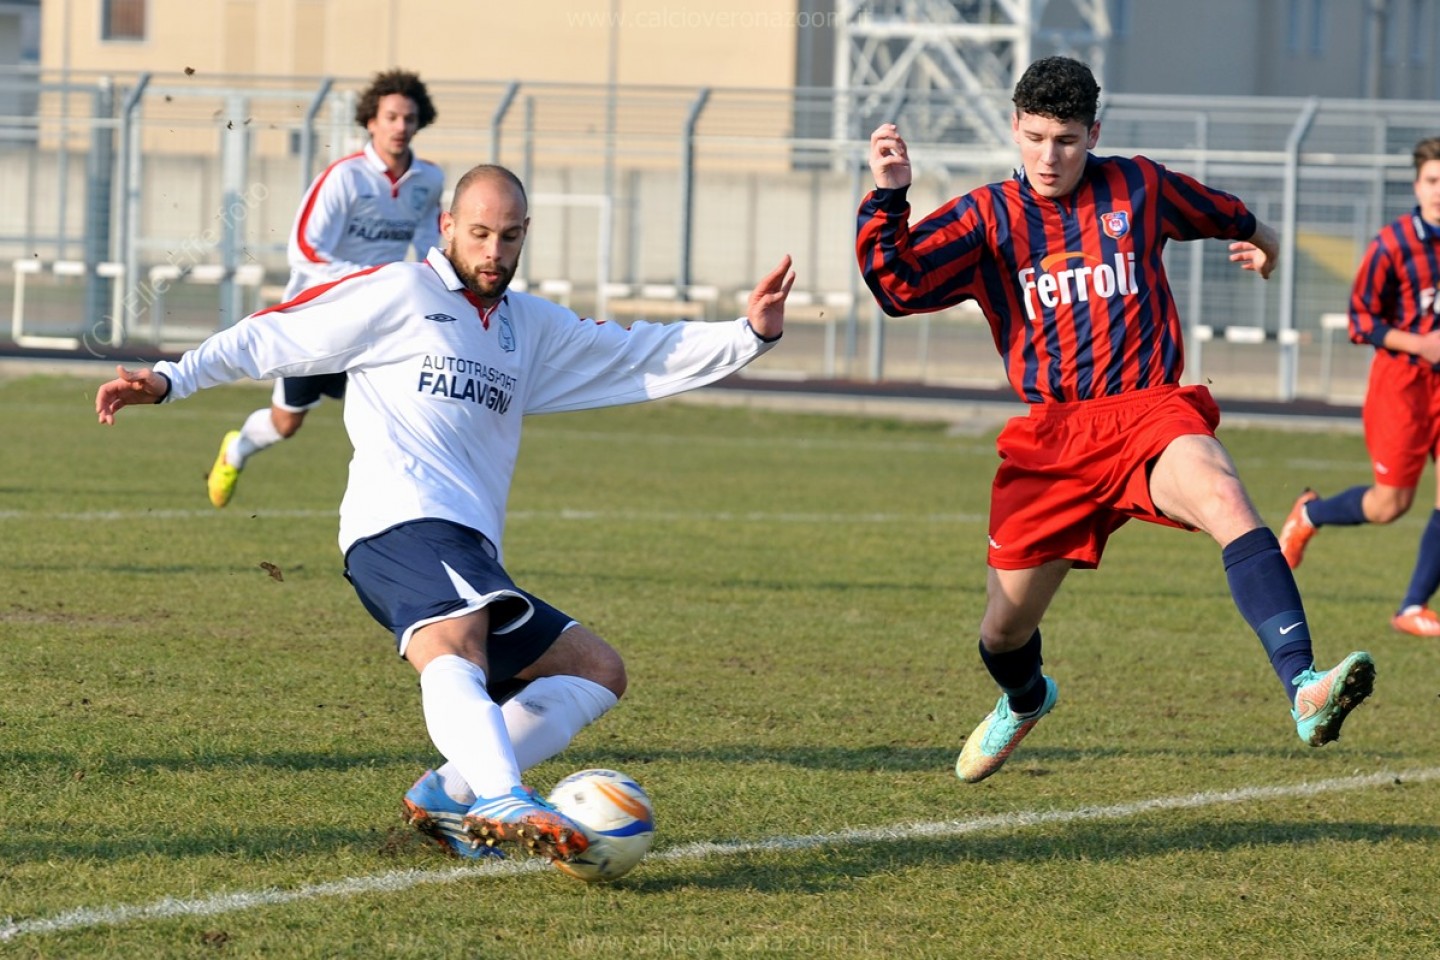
(354,216)
(437,389)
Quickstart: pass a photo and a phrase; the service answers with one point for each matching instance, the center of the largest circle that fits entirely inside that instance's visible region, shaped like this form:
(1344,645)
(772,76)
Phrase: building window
(1390,38)
(1120,22)
(122,19)
(1417,33)
(1317,27)
(1294,26)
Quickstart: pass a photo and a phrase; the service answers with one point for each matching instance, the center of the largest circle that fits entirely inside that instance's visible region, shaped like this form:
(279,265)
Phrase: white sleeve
(583,364)
(319,227)
(328,333)
(427,231)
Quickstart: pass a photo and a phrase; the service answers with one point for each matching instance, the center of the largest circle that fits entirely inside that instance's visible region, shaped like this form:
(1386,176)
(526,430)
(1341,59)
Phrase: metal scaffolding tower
(947,66)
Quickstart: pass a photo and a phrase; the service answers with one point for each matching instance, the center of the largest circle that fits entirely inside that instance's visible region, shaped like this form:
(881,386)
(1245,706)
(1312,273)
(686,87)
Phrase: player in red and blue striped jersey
(1394,308)
(1065,261)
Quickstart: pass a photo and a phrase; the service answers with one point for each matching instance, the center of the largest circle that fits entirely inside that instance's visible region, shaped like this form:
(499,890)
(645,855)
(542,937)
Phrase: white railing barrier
(29,267)
(250,276)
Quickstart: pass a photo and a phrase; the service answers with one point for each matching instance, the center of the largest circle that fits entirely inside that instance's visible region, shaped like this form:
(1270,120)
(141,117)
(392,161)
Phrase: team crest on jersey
(1116,223)
(420,199)
(507,335)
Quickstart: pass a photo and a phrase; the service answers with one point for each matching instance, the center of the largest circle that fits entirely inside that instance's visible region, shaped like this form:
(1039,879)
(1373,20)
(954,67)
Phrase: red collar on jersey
(483,311)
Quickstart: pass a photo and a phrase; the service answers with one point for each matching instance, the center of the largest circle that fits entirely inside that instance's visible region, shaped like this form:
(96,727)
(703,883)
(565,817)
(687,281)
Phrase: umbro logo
(440,317)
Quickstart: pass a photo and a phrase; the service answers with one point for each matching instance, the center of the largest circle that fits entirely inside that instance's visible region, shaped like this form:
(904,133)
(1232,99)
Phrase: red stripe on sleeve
(307,251)
(310,293)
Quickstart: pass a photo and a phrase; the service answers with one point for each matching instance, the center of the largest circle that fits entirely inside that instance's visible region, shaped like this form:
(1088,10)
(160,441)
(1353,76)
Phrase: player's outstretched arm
(1261,253)
(139,386)
(766,311)
(889,157)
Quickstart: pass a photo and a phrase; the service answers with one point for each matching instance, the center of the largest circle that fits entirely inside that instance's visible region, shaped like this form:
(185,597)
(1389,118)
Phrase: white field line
(401,880)
(627,516)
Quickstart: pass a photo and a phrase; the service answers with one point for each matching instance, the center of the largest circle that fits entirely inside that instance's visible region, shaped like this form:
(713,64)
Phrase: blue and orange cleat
(524,818)
(432,811)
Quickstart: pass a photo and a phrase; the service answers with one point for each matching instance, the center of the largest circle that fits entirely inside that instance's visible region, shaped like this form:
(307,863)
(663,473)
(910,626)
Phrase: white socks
(257,433)
(545,716)
(541,719)
(466,726)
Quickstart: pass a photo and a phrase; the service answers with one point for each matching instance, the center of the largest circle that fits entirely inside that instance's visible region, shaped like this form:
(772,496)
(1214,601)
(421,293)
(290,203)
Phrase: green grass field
(201,760)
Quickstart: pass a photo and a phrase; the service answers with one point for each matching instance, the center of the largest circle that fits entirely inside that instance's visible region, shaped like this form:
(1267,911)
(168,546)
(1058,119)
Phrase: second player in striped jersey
(1394,309)
(1065,260)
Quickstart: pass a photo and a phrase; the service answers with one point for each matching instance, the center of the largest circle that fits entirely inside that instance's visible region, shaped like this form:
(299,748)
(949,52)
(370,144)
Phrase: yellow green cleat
(223,477)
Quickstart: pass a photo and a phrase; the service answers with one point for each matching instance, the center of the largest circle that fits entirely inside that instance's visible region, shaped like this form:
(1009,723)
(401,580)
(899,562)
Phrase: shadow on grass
(1031,762)
(832,867)
(238,760)
(880,758)
(231,841)
(222,567)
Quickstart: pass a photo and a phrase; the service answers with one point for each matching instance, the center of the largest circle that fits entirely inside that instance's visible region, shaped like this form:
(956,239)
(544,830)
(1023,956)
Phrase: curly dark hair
(1060,88)
(403,82)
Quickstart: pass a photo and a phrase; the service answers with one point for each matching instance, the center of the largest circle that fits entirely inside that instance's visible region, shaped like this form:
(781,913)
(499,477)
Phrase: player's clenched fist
(889,159)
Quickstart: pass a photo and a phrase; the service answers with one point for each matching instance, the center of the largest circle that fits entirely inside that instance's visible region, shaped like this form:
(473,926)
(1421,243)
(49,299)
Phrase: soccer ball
(615,814)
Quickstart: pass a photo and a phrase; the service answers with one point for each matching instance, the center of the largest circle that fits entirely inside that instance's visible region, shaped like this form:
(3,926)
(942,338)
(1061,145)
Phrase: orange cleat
(1417,621)
(1297,530)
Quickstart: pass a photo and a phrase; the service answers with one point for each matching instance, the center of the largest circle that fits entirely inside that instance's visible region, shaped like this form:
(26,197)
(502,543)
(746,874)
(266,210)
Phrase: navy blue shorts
(427,570)
(305,393)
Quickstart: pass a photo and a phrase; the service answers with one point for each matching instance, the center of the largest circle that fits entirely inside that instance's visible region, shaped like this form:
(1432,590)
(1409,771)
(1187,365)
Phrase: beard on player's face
(487,280)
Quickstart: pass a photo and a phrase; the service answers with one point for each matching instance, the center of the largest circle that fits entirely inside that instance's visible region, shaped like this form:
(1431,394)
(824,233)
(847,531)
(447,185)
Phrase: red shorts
(1402,419)
(1073,473)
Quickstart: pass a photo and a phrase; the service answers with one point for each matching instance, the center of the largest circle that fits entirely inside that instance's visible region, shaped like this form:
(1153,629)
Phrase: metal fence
(148,210)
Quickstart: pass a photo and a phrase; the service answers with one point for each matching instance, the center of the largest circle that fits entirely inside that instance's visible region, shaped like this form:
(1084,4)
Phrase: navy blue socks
(1266,596)
(1018,674)
(1426,578)
(1342,510)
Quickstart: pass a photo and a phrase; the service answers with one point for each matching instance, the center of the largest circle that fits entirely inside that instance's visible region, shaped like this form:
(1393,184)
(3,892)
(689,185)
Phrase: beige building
(1386,49)
(741,43)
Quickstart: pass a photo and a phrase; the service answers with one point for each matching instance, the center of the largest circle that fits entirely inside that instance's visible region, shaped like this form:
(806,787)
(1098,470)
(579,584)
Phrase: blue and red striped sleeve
(1373,295)
(919,268)
(1193,211)
(1397,283)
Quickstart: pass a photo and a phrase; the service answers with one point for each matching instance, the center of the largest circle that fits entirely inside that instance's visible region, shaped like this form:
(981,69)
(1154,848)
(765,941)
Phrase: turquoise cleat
(997,736)
(1324,700)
